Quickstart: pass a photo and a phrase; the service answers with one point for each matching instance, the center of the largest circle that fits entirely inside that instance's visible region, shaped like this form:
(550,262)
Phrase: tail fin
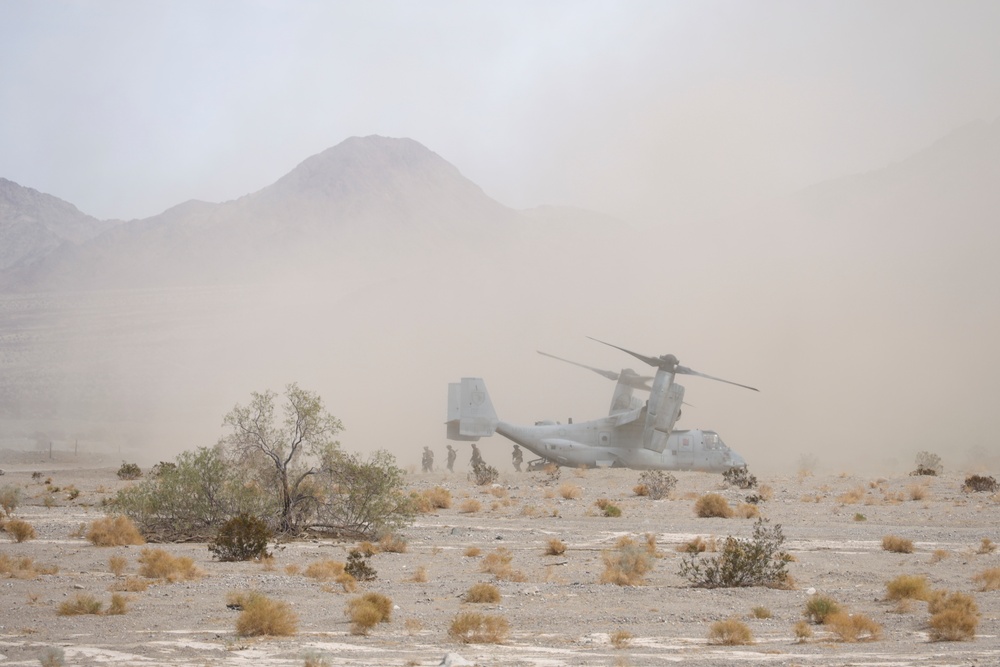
(470,410)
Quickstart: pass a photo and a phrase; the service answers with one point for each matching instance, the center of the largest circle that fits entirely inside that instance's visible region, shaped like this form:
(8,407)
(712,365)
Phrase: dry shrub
(324,570)
(117,565)
(986,546)
(483,593)
(118,606)
(472,552)
(368,610)
(498,563)
(470,506)
(627,565)
(988,580)
(497,491)
(419,575)
(570,491)
(821,607)
(114,532)
(413,626)
(954,617)
(852,496)
(420,503)
(394,544)
(292,569)
(712,505)
(731,632)
(158,564)
(917,491)
(23,567)
(802,631)
(746,511)
(640,490)
(314,660)
(620,638)
(908,587)
(19,531)
(939,555)
(262,616)
(471,627)
(438,497)
(765,492)
(853,627)
(82,603)
(367,548)
(555,547)
(699,545)
(761,612)
(897,544)
(131,585)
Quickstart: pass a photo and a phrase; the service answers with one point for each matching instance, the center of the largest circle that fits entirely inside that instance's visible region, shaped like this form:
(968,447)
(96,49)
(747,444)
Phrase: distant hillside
(360,201)
(33,224)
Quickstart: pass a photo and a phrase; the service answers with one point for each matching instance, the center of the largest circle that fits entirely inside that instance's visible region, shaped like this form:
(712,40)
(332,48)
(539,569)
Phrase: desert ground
(558,611)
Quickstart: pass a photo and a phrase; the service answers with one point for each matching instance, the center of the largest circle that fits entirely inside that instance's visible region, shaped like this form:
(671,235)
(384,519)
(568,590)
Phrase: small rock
(453,660)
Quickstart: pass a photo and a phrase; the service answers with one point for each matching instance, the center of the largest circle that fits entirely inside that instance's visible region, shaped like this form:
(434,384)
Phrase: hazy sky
(648,110)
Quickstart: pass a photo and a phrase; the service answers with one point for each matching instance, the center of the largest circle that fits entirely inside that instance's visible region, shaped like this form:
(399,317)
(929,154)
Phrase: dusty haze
(797,197)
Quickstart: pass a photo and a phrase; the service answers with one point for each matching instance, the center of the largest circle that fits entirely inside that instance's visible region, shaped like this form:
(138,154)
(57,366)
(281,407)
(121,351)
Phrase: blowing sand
(559,614)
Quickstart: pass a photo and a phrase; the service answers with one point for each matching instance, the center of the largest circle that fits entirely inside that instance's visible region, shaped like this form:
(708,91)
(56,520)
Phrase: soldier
(452,455)
(517,457)
(428,460)
(477,458)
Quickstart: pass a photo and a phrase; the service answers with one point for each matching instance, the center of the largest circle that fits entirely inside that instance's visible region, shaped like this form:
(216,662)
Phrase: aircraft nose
(738,461)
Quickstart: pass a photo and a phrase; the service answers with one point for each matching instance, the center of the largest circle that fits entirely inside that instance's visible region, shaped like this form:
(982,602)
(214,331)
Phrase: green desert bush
(928,464)
(740,477)
(115,531)
(129,471)
(730,632)
(241,538)
(819,607)
(483,593)
(484,474)
(980,484)
(757,561)
(474,628)
(291,473)
(10,498)
(262,616)
(358,566)
(712,505)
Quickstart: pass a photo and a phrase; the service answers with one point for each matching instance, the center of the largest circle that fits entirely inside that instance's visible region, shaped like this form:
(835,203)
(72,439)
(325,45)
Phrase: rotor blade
(684,370)
(611,375)
(652,361)
(627,376)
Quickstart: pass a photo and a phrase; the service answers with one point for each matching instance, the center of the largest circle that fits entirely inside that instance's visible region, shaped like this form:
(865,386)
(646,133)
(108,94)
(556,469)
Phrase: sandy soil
(560,614)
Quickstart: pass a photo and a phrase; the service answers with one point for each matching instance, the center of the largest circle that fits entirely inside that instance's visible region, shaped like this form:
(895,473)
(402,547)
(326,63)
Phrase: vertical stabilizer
(470,411)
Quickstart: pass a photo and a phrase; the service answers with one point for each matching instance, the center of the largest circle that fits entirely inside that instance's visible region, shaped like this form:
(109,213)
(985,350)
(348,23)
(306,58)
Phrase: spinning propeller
(668,363)
(628,376)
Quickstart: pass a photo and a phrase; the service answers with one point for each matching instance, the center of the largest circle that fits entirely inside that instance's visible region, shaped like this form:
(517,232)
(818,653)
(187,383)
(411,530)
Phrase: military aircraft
(636,434)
